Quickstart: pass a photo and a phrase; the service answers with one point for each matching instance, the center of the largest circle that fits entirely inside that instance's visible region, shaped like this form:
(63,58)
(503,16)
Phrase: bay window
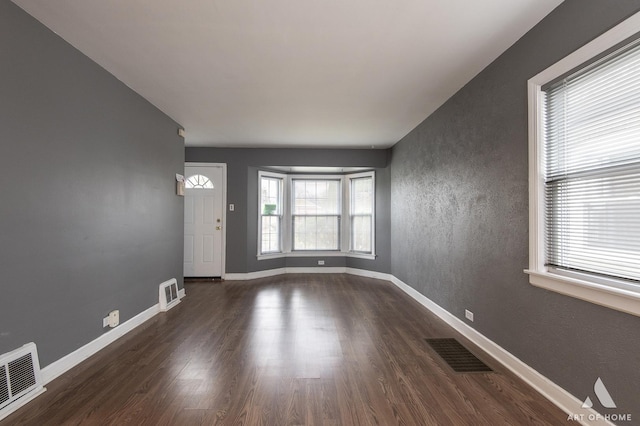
(304,215)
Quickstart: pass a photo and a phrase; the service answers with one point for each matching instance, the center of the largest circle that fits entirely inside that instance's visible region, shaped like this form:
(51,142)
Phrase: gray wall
(88,218)
(242,190)
(459,221)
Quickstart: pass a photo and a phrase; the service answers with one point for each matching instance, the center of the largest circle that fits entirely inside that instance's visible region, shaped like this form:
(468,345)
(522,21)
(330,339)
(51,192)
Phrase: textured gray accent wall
(459,220)
(89,219)
(242,190)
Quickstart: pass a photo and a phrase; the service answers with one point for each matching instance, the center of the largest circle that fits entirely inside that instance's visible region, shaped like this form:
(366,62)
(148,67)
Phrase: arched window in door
(198,182)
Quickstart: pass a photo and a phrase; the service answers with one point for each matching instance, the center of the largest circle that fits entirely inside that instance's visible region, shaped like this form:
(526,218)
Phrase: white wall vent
(20,379)
(169,295)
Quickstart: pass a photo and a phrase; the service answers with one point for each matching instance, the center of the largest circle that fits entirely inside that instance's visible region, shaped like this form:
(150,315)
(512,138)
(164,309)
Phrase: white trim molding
(369,274)
(600,294)
(584,287)
(285,195)
(554,393)
(67,362)
(254,275)
(19,403)
(319,254)
(307,270)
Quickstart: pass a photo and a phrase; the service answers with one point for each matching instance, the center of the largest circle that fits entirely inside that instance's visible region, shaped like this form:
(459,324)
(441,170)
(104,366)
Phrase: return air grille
(22,374)
(169,294)
(19,378)
(4,385)
(457,356)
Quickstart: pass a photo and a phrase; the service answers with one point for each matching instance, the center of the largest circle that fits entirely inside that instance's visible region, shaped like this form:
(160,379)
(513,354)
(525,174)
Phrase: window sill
(317,254)
(616,298)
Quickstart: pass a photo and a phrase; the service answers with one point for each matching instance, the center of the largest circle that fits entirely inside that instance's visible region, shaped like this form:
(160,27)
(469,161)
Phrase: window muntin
(361,213)
(271,209)
(198,182)
(316,214)
(311,215)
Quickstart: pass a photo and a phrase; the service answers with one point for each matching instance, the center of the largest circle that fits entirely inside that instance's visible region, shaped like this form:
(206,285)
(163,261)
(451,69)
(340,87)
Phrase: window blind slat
(592,168)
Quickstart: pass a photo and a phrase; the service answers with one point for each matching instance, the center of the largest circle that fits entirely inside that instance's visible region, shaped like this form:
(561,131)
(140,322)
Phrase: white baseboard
(182,293)
(282,271)
(307,270)
(369,274)
(64,364)
(317,270)
(18,403)
(254,275)
(554,393)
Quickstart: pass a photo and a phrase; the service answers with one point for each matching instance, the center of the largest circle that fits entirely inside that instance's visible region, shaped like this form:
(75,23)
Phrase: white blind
(592,168)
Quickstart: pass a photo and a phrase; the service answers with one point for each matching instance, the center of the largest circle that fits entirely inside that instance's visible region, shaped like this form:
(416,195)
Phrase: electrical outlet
(114,318)
(321,262)
(232,207)
(468,314)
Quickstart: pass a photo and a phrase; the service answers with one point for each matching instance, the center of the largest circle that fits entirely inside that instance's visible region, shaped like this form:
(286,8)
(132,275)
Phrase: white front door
(203,221)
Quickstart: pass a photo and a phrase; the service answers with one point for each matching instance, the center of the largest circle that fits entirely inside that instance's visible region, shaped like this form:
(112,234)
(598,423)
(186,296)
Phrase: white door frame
(224,207)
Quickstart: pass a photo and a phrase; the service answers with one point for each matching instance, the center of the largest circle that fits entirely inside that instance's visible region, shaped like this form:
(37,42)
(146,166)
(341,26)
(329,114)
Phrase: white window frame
(602,291)
(341,209)
(283,207)
(350,179)
(287,222)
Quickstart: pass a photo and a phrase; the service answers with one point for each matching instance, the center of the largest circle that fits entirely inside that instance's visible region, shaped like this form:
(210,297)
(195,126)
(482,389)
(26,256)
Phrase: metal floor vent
(169,295)
(19,378)
(457,356)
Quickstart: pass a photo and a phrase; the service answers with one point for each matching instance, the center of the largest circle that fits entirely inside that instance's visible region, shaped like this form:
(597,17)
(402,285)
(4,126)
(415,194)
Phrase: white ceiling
(304,73)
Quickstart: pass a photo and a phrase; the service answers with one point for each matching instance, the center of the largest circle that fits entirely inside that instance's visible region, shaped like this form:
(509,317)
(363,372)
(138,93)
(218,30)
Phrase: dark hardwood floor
(288,350)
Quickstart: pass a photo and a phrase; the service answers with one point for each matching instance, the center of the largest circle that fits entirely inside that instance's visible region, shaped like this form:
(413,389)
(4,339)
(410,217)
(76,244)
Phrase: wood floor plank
(314,349)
